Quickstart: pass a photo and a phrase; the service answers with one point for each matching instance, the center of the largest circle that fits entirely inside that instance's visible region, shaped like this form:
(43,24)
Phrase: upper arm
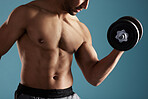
(86,55)
(12,29)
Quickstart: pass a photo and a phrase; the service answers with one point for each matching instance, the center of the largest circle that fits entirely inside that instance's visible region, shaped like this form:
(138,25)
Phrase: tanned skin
(48,33)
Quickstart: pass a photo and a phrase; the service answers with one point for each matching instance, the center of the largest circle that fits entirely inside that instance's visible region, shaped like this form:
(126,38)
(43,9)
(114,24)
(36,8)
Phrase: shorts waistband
(50,93)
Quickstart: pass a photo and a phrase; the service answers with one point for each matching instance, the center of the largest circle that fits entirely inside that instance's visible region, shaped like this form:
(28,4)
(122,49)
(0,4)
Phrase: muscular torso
(46,48)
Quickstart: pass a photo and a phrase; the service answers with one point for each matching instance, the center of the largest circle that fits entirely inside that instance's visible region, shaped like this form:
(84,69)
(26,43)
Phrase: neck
(52,6)
(55,6)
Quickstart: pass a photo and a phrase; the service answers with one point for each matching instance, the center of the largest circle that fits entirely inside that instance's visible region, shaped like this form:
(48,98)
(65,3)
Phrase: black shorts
(24,92)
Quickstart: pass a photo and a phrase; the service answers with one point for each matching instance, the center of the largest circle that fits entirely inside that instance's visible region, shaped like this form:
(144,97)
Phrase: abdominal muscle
(44,68)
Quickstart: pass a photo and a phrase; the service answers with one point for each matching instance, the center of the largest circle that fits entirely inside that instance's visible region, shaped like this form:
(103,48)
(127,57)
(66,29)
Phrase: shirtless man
(48,33)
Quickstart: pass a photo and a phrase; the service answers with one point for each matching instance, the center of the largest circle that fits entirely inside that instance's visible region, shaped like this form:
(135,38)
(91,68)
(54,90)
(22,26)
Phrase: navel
(41,41)
(55,77)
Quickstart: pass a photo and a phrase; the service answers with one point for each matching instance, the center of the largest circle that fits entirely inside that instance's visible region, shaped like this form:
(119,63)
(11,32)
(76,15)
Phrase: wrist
(118,51)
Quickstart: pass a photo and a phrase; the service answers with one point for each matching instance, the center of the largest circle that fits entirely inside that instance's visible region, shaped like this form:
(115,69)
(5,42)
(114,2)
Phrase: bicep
(86,57)
(10,31)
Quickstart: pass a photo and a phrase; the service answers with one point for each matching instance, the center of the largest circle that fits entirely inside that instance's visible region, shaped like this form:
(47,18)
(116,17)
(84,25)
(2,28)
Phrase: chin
(72,13)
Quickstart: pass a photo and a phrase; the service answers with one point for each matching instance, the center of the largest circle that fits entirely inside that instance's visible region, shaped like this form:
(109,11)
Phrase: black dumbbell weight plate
(129,27)
(136,22)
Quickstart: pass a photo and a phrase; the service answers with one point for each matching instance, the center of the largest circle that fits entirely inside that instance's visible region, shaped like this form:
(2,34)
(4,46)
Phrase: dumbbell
(125,33)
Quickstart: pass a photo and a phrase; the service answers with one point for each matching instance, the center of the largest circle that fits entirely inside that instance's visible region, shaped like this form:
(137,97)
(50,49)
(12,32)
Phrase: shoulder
(17,16)
(26,10)
(84,30)
(22,14)
(20,10)
(86,33)
(18,13)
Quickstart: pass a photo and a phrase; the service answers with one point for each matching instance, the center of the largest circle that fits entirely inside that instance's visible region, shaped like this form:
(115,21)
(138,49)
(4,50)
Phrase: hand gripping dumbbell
(125,33)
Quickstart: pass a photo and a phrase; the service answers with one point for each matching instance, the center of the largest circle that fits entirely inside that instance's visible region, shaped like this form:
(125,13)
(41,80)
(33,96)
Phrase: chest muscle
(50,33)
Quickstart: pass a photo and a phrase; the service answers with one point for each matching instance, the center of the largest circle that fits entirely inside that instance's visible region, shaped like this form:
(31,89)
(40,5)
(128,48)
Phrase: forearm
(103,67)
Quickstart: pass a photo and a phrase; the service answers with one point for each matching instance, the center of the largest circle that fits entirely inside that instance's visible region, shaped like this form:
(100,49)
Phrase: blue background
(129,79)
